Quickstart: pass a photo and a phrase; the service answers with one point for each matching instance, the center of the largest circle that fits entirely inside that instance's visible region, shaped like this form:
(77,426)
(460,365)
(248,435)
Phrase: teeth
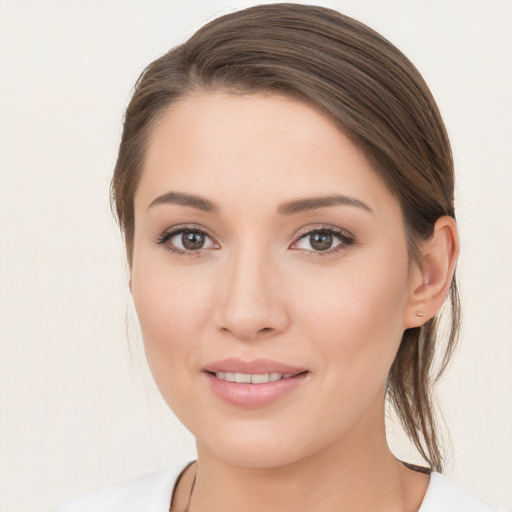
(260,379)
(256,378)
(243,377)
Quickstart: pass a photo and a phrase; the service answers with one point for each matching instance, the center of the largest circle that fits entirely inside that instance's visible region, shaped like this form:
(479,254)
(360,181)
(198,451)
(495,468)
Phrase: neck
(357,472)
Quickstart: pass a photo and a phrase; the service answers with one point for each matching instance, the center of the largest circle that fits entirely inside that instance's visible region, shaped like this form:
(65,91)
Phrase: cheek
(168,294)
(171,307)
(354,314)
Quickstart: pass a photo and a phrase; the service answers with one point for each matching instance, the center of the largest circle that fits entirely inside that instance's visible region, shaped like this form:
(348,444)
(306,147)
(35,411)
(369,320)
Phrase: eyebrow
(197,202)
(288,208)
(314,203)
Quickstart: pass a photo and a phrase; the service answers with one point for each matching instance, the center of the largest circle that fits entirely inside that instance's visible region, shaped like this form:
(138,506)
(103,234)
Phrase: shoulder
(444,495)
(150,492)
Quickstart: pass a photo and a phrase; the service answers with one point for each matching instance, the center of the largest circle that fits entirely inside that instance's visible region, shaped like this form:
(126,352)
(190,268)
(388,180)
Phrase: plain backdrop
(78,408)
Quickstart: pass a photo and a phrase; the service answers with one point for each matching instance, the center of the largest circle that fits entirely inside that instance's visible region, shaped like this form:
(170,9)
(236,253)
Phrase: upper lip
(256,366)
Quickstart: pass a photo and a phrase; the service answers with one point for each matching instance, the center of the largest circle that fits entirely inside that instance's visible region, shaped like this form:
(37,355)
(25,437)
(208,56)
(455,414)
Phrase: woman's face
(265,246)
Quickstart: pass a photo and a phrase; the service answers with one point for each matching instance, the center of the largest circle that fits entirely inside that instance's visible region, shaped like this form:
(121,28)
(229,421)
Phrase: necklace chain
(191,491)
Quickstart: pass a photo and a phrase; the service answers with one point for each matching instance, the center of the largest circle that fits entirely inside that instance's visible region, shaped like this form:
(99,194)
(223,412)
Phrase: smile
(255,378)
(253,384)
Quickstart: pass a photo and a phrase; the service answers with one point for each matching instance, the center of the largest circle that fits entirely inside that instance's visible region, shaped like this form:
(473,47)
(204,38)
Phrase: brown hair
(372,92)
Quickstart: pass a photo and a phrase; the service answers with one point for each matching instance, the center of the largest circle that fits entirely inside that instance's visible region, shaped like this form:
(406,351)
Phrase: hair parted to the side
(374,94)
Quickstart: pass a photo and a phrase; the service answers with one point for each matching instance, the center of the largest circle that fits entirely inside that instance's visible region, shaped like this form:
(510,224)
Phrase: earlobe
(431,280)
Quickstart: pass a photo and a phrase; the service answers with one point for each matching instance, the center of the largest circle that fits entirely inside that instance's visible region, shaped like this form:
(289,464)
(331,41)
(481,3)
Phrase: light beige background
(77,407)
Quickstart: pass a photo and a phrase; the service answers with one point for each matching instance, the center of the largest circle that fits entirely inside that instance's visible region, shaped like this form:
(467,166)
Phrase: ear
(432,277)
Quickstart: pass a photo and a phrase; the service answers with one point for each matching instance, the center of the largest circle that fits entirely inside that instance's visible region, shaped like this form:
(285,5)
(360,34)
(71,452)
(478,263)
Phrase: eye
(324,240)
(185,240)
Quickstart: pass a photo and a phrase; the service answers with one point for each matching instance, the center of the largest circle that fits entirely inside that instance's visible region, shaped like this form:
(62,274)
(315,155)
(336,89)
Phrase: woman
(285,189)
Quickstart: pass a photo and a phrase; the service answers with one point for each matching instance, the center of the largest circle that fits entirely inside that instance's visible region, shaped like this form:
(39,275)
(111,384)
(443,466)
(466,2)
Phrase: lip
(251,396)
(232,364)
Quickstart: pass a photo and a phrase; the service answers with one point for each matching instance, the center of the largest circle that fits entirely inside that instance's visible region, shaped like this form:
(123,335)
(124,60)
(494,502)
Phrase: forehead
(254,145)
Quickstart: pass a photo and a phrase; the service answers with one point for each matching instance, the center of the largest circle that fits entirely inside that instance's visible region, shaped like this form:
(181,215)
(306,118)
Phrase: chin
(258,446)
(256,456)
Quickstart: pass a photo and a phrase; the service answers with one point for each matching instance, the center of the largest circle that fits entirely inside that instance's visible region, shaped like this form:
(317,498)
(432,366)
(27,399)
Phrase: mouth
(253,384)
(254,378)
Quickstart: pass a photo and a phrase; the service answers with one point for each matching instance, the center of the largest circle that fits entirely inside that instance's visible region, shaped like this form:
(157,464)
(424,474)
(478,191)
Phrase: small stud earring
(420,313)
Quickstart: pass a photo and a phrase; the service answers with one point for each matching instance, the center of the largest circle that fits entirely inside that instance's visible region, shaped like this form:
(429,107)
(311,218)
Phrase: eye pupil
(321,241)
(192,240)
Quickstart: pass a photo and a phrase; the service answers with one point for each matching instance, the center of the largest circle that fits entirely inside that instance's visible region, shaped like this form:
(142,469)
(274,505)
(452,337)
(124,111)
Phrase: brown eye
(193,240)
(321,241)
(186,241)
(326,240)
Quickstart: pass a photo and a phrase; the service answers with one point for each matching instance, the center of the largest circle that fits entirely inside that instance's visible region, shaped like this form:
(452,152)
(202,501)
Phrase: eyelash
(176,230)
(345,238)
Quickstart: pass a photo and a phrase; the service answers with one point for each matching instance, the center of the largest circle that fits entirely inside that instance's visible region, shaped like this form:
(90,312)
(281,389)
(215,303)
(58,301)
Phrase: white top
(152,493)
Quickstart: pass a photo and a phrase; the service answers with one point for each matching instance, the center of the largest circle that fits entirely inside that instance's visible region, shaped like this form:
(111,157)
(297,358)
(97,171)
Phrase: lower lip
(251,396)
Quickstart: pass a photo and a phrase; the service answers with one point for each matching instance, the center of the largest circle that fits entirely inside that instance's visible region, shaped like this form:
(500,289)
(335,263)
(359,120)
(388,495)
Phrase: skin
(259,289)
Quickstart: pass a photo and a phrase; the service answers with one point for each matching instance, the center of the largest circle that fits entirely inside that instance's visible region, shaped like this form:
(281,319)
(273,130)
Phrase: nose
(251,303)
